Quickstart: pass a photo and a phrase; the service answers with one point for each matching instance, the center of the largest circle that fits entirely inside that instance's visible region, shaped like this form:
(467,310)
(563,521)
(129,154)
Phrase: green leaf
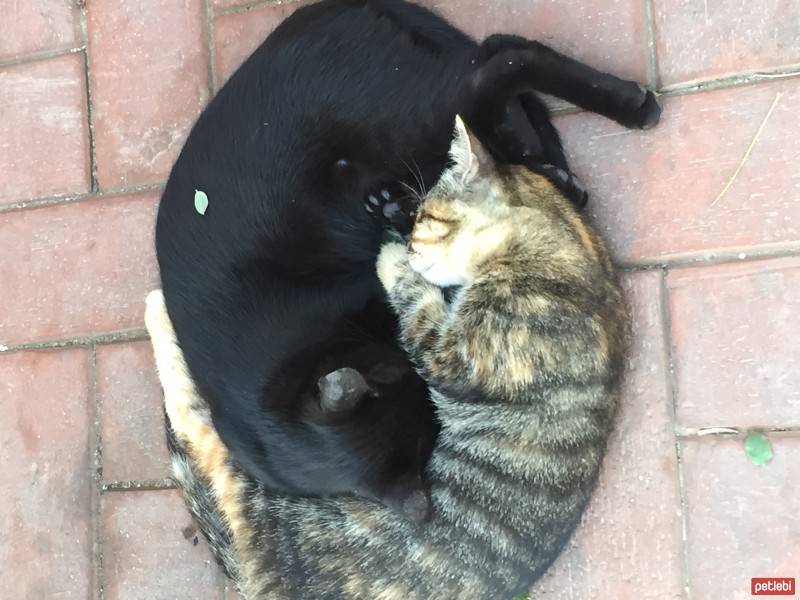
(200,202)
(758,448)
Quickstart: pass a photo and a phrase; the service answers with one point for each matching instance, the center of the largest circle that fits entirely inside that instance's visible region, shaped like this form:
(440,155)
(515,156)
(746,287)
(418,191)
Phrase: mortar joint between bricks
(111,486)
(672,395)
(96,476)
(91,195)
(252,6)
(83,19)
(211,49)
(730,81)
(652,58)
(12,61)
(113,337)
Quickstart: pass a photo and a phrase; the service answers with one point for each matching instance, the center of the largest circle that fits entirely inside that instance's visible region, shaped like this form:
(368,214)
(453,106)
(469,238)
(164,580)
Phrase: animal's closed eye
(431,231)
(426,215)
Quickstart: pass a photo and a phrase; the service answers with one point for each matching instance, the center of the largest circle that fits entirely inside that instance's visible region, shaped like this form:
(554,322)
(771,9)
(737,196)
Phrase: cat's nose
(413,251)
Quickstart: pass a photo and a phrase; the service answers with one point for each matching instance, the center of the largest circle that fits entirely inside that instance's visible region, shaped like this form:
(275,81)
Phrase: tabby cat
(524,358)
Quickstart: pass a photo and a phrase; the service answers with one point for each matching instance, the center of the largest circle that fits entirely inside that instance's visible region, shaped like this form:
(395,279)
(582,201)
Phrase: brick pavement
(96,98)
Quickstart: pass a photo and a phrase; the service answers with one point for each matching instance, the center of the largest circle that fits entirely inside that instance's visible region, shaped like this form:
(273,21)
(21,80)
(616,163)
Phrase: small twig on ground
(749,150)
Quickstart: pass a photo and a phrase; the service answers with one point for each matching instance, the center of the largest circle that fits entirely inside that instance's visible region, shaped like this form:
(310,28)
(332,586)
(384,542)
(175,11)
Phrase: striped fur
(525,363)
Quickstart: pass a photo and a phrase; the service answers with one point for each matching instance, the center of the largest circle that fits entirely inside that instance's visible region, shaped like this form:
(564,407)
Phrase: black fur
(275,286)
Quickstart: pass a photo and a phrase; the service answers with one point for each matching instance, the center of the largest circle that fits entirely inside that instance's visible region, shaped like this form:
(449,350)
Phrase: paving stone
(609,34)
(85,267)
(45,488)
(743,520)
(44,133)
(717,38)
(38,26)
(653,193)
(149,76)
(737,343)
(75,269)
(231,593)
(236,35)
(132,422)
(153,550)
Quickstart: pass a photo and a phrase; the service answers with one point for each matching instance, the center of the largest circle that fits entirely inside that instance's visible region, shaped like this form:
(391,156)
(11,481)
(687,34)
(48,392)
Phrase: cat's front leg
(420,305)
(392,265)
(404,286)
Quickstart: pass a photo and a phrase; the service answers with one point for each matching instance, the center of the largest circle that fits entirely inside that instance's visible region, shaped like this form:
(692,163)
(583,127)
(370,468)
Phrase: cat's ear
(467,154)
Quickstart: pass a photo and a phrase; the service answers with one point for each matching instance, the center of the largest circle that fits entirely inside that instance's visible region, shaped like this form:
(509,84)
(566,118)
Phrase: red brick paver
(149,80)
(736,340)
(743,520)
(656,194)
(704,209)
(76,269)
(45,417)
(704,39)
(609,38)
(132,424)
(236,35)
(38,26)
(44,144)
(153,549)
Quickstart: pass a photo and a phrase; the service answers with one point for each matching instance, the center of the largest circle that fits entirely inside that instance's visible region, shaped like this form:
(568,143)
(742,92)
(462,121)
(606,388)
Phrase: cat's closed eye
(432,228)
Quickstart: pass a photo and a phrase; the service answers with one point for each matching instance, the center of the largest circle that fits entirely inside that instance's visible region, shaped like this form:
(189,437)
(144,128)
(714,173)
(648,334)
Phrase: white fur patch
(390,262)
(181,400)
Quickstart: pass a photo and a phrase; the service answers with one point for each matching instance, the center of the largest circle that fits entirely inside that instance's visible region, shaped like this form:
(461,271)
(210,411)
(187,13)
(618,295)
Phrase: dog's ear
(342,390)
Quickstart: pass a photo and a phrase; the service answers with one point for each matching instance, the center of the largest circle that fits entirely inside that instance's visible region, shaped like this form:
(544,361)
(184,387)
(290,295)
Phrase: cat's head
(463,219)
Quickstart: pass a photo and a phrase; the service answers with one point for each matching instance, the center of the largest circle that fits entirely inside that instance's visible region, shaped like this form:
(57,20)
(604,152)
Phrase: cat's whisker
(420,178)
(412,190)
(420,192)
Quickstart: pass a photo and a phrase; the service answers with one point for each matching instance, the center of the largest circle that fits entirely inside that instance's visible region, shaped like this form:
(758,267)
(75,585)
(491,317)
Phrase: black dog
(306,155)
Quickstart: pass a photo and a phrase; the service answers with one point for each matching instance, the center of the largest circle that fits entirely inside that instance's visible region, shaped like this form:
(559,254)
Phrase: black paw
(382,204)
(645,111)
(650,111)
(567,183)
(394,211)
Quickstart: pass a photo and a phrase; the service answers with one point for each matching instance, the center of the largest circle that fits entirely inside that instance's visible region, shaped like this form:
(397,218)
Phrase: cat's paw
(392,263)
(644,112)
